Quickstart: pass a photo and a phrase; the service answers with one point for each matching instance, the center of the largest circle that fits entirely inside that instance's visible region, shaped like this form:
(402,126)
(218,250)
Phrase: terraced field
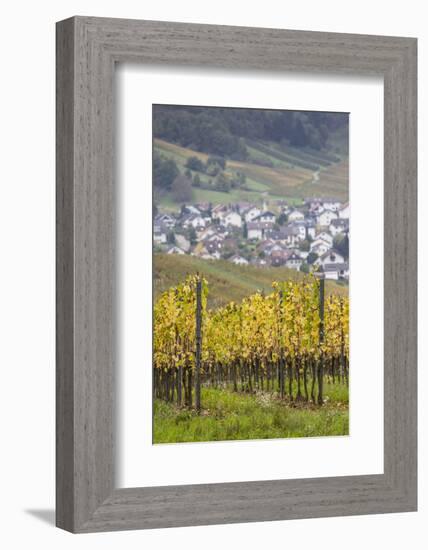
(273,171)
(332,181)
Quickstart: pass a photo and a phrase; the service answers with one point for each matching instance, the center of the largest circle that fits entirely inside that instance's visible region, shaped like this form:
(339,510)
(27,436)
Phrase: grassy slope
(290,180)
(234,416)
(227,281)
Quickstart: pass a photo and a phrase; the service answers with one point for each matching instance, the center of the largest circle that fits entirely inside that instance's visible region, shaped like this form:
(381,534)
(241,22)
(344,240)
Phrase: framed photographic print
(236,274)
(233,215)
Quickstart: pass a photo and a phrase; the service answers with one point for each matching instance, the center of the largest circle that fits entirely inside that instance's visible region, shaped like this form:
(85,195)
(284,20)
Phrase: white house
(252,213)
(238,260)
(190,209)
(159,234)
(294,261)
(325,236)
(265,217)
(218,211)
(336,271)
(300,227)
(274,248)
(286,235)
(231,218)
(206,233)
(194,220)
(295,216)
(255,231)
(339,225)
(310,229)
(166,220)
(344,211)
(258,230)
(175,250)
(182,242)
(315,206)
(331,204)
(289,235)
(330,257)
(319,247)
(325,217)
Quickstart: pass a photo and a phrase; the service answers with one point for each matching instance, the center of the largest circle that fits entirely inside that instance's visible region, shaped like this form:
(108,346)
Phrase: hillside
(227,281)
(227,155)
(271,172)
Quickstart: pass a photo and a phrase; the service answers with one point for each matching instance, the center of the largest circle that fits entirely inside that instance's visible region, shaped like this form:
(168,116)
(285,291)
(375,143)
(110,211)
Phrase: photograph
(195,351)
(251,273)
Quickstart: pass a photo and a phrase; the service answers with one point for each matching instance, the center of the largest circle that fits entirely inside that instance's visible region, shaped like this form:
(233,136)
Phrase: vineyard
(287,343)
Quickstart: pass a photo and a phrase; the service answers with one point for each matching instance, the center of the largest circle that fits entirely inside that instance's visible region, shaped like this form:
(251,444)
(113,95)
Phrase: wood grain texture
(87,50)
(64,277)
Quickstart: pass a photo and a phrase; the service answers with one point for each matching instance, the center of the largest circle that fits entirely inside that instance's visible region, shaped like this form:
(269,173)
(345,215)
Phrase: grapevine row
(285,342)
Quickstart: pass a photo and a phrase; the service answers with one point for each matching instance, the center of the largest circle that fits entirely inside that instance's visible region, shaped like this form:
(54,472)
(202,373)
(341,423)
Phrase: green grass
(218,197)
(227,415)
(287,156)
(255,196)
(320,158)
(227,281)
(259,155)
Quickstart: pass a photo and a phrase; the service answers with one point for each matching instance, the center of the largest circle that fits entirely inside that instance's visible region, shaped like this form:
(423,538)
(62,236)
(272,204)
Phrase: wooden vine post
(198,343)
(321,337)
(281,340)
(342,345)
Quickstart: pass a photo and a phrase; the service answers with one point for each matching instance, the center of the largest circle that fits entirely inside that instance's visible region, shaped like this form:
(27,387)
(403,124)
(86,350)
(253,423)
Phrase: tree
(341,244)
(227,252)
(226,131)
(170,238)
(181,189)
(242,178)
(195,164)
(304,268)
(304,246)
(222,183)
(245,231)
(213,169)
(196,180)
(164,172)
(298,137)
(312,256)
(192,236)
(241,151)
(216,159)
(238,179)
(282,219)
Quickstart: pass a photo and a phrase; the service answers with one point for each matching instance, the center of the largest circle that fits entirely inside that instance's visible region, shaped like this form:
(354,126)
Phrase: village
(313,236)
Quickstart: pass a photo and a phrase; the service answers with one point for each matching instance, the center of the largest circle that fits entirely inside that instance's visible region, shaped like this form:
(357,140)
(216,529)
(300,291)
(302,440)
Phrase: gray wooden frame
(87,50)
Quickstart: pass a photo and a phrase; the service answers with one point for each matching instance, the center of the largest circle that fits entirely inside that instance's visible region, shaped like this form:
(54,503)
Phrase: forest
(223,131)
